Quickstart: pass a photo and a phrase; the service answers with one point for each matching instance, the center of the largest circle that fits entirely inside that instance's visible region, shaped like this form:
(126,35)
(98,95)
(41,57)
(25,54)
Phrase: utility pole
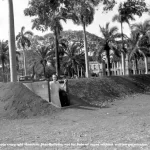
(12,48)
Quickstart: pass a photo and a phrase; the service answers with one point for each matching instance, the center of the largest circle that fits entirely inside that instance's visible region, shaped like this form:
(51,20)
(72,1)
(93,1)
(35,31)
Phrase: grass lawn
(126,121)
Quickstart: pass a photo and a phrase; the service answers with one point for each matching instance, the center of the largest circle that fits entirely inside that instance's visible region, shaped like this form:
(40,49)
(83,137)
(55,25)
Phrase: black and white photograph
(74,74)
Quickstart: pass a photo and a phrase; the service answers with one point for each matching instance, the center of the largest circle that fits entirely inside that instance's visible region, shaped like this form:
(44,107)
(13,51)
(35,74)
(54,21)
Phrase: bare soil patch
(17,101)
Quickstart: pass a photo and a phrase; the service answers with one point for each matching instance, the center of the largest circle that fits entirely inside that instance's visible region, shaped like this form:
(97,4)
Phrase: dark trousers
(64,98)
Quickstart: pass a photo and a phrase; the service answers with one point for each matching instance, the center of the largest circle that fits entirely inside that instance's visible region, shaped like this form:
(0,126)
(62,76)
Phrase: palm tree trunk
(44,70)
(86,52)
(145,61)
(134,61)
(114,68)
(127,64)
(136,66)
(69,73)
(33,72)
(108,63)
(24,62)
(146,65)
(123,63)
(122,34)
(72,73)
(103,68)
(56,53)
(12,51)
(3,69)
(78,70)
(122,53)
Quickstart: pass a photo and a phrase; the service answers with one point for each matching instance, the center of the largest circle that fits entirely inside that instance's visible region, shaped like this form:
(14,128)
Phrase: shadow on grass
(79,103)
(80,107)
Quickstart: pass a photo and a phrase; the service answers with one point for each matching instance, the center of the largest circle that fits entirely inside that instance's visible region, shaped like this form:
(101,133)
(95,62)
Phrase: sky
(100,18)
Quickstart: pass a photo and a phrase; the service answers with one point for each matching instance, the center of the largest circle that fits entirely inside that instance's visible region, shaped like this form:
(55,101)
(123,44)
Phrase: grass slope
(95,91)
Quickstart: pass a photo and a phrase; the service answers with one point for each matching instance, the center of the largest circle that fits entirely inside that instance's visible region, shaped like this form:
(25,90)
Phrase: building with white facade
(116,67)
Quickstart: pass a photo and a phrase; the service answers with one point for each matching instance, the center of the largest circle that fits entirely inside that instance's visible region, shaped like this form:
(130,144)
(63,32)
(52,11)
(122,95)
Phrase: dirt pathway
(124,122)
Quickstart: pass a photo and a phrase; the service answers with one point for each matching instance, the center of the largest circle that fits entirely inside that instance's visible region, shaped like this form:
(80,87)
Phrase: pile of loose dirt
(17,101)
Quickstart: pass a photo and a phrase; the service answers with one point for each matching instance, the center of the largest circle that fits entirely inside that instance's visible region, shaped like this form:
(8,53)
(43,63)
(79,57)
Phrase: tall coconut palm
(4,57)
(22,42)
(141,31)
(41,56)
(54,23)
(73,58)
(83,14)
(142,28)
(61,46)
(133,49)
(109,36)
(12,49)
(122,17)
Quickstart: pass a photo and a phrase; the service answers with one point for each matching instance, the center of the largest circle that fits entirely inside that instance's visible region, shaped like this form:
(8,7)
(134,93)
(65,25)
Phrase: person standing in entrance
(54,90)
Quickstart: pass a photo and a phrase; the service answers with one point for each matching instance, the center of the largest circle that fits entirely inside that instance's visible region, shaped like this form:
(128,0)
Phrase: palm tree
(22,42)
(41,56)
(54,23)
(12,49)
(142,28)
(122,17)
(61,46)
(141,32)
(109,37)
(73,58)
(4,55)
(83,14)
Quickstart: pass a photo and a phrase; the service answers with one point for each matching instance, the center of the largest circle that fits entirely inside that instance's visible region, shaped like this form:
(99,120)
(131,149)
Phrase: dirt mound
(96,91)
(17,101)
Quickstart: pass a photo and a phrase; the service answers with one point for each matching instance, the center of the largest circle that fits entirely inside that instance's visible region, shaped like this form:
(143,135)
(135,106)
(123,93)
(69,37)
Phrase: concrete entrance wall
(40,88)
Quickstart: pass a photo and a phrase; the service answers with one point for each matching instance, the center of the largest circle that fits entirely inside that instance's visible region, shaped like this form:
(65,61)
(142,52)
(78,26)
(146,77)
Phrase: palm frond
(103,31)
(74,18)
(136,26)
(107,26)
(22,30)
(116,18)
(113,30)
(19,43)
(115,36)
(28,33)
(144,50)
(18,36)
(27,41)
(132,53)
(146,24)
(131,17)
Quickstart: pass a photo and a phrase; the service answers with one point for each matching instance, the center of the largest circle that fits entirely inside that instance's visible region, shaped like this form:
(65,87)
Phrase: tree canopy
(135,7)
